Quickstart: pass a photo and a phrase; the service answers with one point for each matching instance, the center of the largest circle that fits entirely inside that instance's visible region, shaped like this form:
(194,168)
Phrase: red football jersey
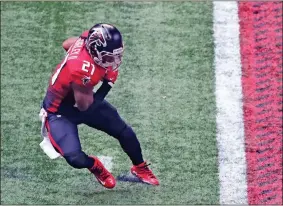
(78,67)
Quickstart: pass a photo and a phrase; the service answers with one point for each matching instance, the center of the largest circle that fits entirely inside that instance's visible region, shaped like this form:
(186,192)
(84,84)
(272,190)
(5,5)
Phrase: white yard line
(106,161)
(230,126)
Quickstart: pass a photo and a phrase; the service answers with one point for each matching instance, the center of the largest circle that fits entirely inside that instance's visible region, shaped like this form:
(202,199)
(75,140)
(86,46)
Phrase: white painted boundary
(106,161)
(230,127)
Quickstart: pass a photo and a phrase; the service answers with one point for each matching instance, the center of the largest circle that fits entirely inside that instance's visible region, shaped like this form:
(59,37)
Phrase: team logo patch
(97,37)
(86,80)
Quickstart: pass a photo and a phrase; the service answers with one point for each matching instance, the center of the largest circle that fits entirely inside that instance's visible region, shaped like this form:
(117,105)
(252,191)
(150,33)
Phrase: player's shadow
(96,188)
(102,191)
(128,177)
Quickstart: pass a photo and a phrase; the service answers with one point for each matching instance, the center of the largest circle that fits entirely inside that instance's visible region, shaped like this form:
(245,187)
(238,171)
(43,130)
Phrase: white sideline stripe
(228,91)
(106,161)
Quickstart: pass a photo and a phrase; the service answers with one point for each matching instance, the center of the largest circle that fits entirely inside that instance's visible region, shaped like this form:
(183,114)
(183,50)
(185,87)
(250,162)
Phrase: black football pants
(62,127)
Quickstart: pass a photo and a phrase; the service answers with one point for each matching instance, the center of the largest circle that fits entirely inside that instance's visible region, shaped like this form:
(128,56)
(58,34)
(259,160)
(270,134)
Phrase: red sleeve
(85,34)
(112,75)
(78,76)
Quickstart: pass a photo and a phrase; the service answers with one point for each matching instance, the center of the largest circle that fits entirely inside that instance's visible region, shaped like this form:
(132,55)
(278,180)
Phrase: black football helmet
(105,45)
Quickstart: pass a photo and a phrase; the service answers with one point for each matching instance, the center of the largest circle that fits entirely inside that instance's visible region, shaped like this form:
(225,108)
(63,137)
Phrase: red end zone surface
(261,56)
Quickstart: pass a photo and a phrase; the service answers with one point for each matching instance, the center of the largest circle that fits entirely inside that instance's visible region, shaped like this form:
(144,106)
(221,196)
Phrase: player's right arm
(83,96)
(81,85)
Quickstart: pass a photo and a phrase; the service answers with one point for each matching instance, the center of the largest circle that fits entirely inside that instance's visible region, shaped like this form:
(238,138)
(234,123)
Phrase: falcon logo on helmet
(105,45)
(97,37)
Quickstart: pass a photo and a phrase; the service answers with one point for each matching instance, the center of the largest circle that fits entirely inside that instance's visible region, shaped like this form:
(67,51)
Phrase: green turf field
(165,91)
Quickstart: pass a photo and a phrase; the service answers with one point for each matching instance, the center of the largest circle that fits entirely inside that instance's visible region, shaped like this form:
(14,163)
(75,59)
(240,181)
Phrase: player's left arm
(103,90)
(108,82)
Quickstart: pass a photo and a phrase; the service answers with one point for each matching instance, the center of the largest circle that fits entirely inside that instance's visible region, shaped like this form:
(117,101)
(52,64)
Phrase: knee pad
(79,160)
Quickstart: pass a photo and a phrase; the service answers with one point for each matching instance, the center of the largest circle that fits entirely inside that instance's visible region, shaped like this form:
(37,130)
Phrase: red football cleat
(143,172)
(103,176)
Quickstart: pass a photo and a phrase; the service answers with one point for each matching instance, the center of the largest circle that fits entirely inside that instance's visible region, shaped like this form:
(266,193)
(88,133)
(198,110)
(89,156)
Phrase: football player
(93,57)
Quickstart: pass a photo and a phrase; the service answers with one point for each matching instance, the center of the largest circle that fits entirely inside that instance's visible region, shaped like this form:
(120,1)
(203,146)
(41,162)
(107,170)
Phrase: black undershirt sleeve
(102,91)
(99,96)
